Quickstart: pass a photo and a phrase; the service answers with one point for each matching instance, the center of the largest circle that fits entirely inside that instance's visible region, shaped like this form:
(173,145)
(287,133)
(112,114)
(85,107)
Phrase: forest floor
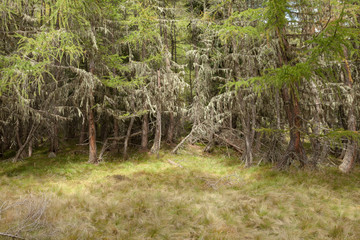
(211,197)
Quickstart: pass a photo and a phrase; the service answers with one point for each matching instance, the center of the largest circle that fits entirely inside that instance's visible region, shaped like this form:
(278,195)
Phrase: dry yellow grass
(212,197)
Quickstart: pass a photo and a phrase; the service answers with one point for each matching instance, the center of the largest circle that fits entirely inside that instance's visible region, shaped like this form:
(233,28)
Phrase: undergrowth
(211,197)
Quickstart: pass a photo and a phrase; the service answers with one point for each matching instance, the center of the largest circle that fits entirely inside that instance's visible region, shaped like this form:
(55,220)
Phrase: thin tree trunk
(82,133)
(170,132)
(54,141)
(92,137)
(277,110)
(116,133)
(17,134)
(127,138)
(34,127)
(30,150)
(145,132)
(92,127)
(157,141)
(316,129)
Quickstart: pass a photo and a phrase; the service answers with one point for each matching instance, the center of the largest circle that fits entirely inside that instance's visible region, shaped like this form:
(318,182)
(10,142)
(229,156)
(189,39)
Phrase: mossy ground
(211,197)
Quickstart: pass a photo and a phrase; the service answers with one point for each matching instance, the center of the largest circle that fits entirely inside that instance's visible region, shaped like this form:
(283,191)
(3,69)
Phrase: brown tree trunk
(145,132)
(92,136)
(351,150)
(92,126)
(295,149)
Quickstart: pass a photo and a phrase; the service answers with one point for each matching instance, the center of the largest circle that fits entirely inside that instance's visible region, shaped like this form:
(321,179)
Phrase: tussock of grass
(210,198)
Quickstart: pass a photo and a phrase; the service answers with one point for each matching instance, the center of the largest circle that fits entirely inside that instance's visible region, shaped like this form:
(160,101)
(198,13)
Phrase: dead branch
(229,143)
(106,143)
(182,142)
(175,163)
(10,235)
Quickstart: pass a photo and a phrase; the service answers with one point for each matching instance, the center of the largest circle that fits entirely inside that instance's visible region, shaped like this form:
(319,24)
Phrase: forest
(179,119)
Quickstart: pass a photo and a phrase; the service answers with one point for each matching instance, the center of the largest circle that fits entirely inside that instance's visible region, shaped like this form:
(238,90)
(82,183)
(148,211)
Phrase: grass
(211,197)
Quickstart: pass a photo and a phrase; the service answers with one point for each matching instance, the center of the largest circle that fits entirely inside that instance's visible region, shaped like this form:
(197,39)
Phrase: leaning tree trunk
(351,150)
(30,136)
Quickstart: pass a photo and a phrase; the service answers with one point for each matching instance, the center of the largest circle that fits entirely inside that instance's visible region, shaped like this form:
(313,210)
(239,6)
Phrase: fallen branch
(182,142)
(175,163)
(10,235)
(230,143)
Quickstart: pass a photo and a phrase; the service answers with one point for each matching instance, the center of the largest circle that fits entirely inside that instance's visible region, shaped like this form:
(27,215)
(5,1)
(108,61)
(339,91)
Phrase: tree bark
(295,149)
(82,133)
(170,132)
(145,132)
(54,141)
(351,150)
(116,133)
(30,149)
(92,126)
(157,140)
(33,129)
(126,142)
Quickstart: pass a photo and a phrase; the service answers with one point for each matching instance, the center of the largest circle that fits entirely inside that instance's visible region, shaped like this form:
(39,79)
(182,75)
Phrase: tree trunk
(170,132)
(316,129)
(92,126)
(92,136)
(30,150)
(54,141)
(126,142)
(145,132)
(32,131)
(116,133)
(157,141)
(82,133)
(351,150)
(295,149)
